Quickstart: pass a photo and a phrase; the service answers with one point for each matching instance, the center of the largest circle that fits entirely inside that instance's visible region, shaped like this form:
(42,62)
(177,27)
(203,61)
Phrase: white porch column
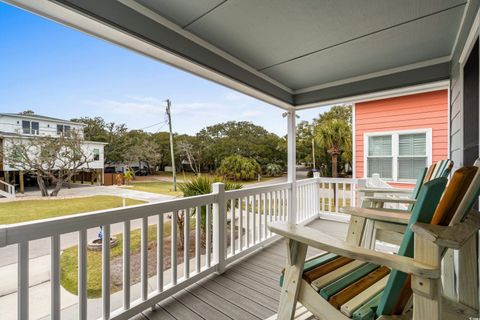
(292,170)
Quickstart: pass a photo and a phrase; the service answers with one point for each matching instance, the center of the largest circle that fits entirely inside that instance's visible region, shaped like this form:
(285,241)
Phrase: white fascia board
(433,86)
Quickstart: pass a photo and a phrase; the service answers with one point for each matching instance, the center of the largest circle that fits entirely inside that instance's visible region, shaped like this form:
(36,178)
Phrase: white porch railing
(7,190)
(235,224)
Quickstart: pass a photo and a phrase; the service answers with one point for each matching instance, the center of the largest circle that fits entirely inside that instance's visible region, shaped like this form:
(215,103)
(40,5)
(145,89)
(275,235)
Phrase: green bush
(203,185)
(239,168)
(273,170)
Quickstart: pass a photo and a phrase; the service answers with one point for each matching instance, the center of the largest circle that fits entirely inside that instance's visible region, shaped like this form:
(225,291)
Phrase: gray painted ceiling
(307,43)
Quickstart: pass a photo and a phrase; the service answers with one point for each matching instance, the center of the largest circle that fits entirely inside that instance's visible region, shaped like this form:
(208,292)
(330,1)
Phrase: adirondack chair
(393,232)
(440,169)
(350,281)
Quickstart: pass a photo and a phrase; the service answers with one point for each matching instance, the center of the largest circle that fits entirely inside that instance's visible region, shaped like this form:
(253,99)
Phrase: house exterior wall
(421,111)
(11,128)
(87,146)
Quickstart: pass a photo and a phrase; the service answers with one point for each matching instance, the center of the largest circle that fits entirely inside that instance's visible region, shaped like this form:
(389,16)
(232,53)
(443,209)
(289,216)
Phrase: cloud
(252,114)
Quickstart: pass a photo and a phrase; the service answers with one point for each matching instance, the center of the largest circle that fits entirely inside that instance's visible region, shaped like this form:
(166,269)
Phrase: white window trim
(395,134)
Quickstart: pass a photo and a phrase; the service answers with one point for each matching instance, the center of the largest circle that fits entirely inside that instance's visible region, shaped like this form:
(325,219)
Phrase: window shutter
(412,144)
(412,150)
(380,146)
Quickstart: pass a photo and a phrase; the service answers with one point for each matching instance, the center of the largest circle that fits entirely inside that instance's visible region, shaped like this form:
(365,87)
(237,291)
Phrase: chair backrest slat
(427,202)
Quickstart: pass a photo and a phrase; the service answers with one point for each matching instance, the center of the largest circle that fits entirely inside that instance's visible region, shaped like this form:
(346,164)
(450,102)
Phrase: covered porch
(294,56)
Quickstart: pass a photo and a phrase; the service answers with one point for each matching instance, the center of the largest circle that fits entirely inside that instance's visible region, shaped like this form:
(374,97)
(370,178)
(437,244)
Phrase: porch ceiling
(296,52)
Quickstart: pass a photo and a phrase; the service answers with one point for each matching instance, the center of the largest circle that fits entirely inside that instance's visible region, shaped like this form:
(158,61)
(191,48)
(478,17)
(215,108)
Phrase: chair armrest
(385,190)
(390,200)
(322,241)
(449,236)
(393,216)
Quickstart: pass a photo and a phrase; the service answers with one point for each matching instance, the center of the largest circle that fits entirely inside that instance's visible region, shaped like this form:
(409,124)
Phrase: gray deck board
(247,290)
(240,301)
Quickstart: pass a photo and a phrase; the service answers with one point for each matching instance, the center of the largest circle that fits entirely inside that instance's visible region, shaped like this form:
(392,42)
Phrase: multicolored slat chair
(354,282)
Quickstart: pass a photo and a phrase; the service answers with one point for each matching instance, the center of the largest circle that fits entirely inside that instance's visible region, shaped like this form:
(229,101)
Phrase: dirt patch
(116,264)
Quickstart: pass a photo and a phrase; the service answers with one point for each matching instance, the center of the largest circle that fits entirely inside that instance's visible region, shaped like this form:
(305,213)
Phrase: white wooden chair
(424,266)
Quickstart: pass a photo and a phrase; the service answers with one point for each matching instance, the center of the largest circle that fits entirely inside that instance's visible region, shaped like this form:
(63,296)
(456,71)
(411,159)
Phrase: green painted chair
(355,282)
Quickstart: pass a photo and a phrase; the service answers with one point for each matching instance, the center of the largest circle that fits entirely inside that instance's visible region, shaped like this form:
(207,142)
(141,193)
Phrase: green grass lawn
(27,210)
(161,187)
(164,187)
(69,262)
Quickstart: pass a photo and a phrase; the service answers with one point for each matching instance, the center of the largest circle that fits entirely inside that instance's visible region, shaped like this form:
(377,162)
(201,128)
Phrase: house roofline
(39,117)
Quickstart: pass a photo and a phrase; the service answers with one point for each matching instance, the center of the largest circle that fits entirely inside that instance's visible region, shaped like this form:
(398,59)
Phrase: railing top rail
(38,229)
(6,183)
(338,180)
(233,194)
(306,181)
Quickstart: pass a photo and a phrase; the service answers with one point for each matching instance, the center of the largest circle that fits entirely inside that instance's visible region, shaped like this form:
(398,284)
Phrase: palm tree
(334,135)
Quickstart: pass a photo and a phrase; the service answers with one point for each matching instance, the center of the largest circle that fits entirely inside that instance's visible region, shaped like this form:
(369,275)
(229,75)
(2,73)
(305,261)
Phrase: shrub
(239,168)
(273,170)
(198,186)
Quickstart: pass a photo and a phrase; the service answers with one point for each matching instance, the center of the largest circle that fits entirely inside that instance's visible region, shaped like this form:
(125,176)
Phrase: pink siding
(417,111)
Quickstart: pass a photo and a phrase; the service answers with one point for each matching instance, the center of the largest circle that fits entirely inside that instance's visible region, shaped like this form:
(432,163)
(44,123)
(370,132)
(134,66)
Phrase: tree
(113,134)
(239,168)
(335,135)
(190,152)
(241,138)
(57,159)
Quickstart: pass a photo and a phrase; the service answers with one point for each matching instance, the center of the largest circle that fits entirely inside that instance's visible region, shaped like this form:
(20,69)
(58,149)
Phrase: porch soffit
(296,52)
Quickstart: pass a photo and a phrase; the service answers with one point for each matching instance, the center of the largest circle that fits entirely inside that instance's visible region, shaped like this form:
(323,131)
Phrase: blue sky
(57,71)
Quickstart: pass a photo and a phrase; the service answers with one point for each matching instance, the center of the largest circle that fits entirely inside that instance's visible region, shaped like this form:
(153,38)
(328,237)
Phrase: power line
(164,122)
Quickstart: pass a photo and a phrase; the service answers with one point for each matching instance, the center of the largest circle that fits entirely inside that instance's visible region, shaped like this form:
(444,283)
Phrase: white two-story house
(28,125)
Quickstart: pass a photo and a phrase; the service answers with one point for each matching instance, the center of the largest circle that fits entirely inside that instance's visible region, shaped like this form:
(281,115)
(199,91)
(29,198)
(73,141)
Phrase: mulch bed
(116,264)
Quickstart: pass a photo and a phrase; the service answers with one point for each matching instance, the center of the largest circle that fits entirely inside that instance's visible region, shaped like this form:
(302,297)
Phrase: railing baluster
(259,216)
(336,197)
(173,251)
(322,191)
(198,242)
(247,206)
(160,227)
(186,243)
(344,202)
(352,195)
(82,274)
(330,197)
(275,215)
(23,283)
(270,211)
(310,202)
(265,222)
(126,265)
(208,244)
(300,203)
(144,258)
(106,272)
(254,219)
(55,277)
(232,226)
(240,224)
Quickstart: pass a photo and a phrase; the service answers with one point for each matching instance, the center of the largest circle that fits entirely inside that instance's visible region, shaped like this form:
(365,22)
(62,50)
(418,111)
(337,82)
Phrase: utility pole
(171,145)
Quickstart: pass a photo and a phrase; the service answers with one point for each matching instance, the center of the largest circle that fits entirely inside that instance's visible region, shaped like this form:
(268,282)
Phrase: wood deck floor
(247,290)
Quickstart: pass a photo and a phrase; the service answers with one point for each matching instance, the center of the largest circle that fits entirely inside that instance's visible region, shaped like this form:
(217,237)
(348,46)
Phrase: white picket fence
(234,222)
